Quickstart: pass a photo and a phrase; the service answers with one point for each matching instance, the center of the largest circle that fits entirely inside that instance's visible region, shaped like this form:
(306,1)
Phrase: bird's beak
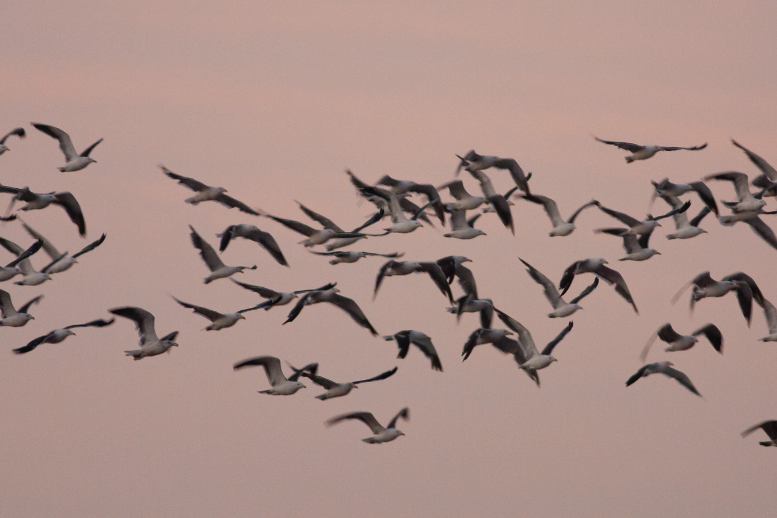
(32,317)
(605,262)
(173,344)
(242,317)
(401,433)
(303,386)
(75,261)
(356,386)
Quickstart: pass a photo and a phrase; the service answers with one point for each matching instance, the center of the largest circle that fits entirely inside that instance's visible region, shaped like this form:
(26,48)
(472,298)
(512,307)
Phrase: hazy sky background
(273,100)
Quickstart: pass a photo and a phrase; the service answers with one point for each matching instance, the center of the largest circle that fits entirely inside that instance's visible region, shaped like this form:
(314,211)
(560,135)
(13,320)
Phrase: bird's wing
(325,287)
(620,216)
(25,307)
(675,148)
(324,221)
(271,364)
(587,291)
(524,336)
(743,277)
(770,427)
(68,202)
(567,277)
(739,180)
(144,322)
(433,197)
(365,417)
(684,207)
(466,280)
(264,292)
(705,194)
(745,299)
(770,313)
(353,309)
(435,272)
(16,131)
(32,250)
(207,313)
(551,293)
(519,177)
(404,414)
(641,372)
(308,370)
(763,230)
(703,280)
(297,309)
(578,211)
(553,343)
(457,190)
(713,334)
(458,220)
(91,246)
(191,183)
(65,144)
(667,334)
(424,343)
(47,246)
(33,344)
(628,146)
(381,275)
(93,323)
(88,150)
(485,183)
(613,277)
(379,377)
(207,252)
(232,203)
(296,226)
(759,162)
(6,305)
(681,377)
(646,349)
(268,242)
(643,240)
(700,216)
(502,209)
(371,220)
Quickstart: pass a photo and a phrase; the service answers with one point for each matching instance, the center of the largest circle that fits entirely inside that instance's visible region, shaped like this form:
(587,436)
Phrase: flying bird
(10,270)
(560,227)
(36,201)
(208,193)
(331,295)
(60,261)
(420,340)
(561,308)
(473,162)
(487,335)
(636,247)
(340,242)
(381,434)
(32,277)
(665,188)
(281,386)
(769,427)
(401,187)
(393,268)
(150,344)
(313,236)
(352,257)
(276,298)
(666,369)
(684,229)
(464,200)
(252,232)
(19,132)
(213,261)
(498,201)
(10,317)
(218,320)
(73,161)
(705,286)
(768,173)
(642,227)
(770,312)
(58,335)
(678,342)
(462,228)
(596,266)
(334,389)
(746,200)
(639,152)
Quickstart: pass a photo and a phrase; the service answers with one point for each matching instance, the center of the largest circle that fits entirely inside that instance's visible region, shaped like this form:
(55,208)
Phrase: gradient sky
(273,100)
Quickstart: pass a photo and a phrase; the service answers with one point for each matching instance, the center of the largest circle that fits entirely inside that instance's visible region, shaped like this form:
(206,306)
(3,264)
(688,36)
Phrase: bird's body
(746,201)
(596,266)
(334,389)
(461,228)
(560,226)
(60,262)
(636,247)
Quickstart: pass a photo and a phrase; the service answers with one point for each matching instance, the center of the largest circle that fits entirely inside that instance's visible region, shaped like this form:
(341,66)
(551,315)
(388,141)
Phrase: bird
(596,266)
(150,344)
(218,320)
(218,269)
(642,227)
(60,261)
(401,187)
(768,173)
(58,335)
(746,201)
(461,228)
(422,341)
(381,434)
(666,188)
(473,162)
(529,359)
(330,294)
(37,201)
(487,335)
(208,193)
(560,227)
(678,342)
(752,218)
(705,286)
(464,200)
(340,242)
(334,389)
(392,268)
(470,302)
(498,201)
(399,222)
(10,270)
(313,236)
(770,312)
(639,152)
(666,369)
(352,257)
(769,427)
(32,277)
(560,307)
(381,199)
(73,161)
(10,317)
(636,247)
(276,298)
(252,233)
(281,386)
(684,229)
(19,132)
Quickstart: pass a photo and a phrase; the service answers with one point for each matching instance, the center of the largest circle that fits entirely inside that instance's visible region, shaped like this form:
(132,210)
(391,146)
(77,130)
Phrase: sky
(274,100)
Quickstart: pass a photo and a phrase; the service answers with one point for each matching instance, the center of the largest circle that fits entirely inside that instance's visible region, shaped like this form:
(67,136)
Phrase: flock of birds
(411,205)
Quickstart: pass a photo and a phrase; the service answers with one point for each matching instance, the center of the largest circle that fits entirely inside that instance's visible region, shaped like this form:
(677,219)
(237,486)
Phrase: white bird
(666,369)
(58,335)
(252,233)
(19,132)
(464,200)
(334,389)
(313,236)
(10,270)
(402,187)
(526,355)
(769,428)
(381,434)
(381,199)
(473,162)
(678,342)
(642,227)
(420,340)
(150,344)
(393,268)
(10,316)
(281,386)
(60,261)
(705,286)
(486,335)
(561,308)
(276,298)
(213,261)
(636,247)
(684,229)
(746,201)
(596,266)
(330,294)
(352,257)
(218,320)
(665,188)
(37,201)
(639,152)
(32,277)
(399,222)
(208,193)
(73,161)
(560,227)
(461,228)
(768,173)
(752,218)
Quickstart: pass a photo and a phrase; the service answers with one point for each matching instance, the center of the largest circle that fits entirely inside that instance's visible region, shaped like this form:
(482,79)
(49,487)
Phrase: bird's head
(68,332)
(241,317)
(553,359)
(222,189)
(91,160)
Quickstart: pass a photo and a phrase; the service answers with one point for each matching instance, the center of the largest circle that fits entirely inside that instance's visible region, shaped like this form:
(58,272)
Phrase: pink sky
(273,101)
